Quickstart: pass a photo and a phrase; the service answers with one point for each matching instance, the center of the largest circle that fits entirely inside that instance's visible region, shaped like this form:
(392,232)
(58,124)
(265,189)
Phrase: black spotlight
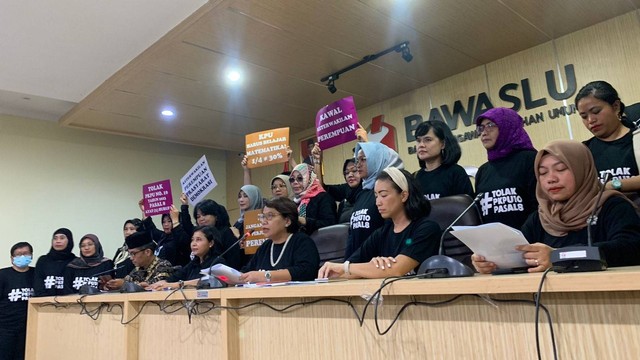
(331,85)
(406,53)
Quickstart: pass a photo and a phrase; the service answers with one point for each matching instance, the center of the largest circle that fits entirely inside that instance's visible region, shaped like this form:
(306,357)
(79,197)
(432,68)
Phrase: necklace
(273,264)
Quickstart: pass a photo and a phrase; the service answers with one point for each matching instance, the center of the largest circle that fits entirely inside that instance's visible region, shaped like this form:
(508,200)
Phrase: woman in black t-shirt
(438,153)
(602,114)
(406,239)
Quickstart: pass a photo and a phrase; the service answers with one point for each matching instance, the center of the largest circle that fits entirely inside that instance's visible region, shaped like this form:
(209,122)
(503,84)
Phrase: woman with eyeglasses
(438,153)
(316,208)
(345,193)
(406,239)
(287,254)
(280,186)
(121,260)
(567,190)
(507,179)
(81,270)
(371,159)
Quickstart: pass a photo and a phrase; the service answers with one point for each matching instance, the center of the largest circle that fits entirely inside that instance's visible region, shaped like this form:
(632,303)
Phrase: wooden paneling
(608,51)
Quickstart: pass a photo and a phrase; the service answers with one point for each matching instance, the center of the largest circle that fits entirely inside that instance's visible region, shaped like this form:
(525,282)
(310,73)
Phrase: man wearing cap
(149,268)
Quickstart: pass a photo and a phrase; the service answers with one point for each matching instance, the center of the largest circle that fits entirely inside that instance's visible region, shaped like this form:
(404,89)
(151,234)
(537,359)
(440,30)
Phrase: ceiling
(111,66)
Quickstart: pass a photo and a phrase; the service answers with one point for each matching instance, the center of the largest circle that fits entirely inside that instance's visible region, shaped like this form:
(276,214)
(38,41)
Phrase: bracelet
(345,267)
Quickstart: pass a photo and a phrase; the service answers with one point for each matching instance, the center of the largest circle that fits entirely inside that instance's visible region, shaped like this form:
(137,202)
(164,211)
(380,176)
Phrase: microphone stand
(442,266)
(214,282)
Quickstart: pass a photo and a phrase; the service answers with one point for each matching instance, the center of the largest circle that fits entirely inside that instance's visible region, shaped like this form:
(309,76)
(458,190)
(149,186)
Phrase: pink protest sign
(336,123)
(157,197)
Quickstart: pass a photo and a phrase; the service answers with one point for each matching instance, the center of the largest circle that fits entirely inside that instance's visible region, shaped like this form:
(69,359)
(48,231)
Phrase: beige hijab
(560,217)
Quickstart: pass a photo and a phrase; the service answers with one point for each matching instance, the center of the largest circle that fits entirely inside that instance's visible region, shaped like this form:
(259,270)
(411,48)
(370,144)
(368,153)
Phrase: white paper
(198,181)
(232,275)
(495,241)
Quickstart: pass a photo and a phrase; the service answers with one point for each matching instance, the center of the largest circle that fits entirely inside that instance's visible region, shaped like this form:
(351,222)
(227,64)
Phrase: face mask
(22,261)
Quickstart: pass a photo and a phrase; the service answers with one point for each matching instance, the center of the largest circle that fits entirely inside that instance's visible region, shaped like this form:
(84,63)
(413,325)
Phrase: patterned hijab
(96,259)
(311,187)
(560,217)
(511,137)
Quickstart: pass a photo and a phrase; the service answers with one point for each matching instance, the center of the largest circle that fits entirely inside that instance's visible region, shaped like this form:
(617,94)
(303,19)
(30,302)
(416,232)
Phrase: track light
(331,84)
(406,53)
(401,48)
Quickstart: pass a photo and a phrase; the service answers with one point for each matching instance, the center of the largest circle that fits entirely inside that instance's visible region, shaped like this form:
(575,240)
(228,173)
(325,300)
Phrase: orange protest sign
(267,147)
(253,226)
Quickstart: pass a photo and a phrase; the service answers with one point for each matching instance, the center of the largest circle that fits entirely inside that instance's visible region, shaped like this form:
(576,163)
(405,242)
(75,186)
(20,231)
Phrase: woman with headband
(406,239)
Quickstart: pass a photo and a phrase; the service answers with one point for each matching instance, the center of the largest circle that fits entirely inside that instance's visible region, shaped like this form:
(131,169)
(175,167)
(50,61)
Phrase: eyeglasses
(278,186)
(347,172)
(481,128)
(361,160)
(267,217)
(294,179)
(134,253)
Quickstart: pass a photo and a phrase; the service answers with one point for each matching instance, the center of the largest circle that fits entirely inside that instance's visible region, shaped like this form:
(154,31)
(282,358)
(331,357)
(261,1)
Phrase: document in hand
(232,275)
(495,241)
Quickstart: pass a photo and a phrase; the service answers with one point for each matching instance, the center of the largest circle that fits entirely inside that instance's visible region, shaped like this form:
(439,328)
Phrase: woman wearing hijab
(316,208)
(567,191)
(82,270)
(49,276)
(280,187)
(371,159)
(121,260)
(507,179)
(249,198)
(403,242)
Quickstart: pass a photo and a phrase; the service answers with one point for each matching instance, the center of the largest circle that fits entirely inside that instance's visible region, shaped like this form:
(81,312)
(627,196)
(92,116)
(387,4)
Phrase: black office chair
(446,209)
(331,242)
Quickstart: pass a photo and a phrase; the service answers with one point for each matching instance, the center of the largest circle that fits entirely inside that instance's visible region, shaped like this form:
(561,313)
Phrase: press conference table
(595,316)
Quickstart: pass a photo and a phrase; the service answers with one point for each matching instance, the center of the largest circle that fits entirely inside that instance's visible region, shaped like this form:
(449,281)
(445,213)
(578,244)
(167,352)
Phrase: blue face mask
(22,261)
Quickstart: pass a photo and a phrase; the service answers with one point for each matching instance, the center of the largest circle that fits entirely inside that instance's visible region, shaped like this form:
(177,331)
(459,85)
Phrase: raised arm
(246,171)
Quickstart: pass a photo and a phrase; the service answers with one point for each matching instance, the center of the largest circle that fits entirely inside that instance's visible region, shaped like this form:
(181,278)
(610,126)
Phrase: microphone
(442,266)
(582,258)
(109,271)
(214,282)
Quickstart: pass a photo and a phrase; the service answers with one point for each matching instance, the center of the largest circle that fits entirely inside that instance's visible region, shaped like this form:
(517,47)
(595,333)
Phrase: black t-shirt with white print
(509,187)
(15,290)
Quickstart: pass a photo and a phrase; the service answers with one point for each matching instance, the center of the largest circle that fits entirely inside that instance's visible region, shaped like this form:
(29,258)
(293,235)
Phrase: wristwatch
(267,275)
(616,184)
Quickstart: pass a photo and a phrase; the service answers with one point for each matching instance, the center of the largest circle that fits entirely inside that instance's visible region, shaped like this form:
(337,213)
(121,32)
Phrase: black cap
(138,239)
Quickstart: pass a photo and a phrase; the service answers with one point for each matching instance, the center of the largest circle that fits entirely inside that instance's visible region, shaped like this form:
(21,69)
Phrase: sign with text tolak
(267,147)
(336,123)
(253,226)
(157,198)
(198,181)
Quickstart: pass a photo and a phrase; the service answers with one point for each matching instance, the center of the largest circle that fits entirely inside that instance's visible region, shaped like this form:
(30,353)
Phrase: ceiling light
(167,113)
(331,86)
(233,76)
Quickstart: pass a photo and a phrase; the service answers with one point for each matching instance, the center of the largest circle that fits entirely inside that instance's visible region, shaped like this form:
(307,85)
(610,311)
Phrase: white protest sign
(198,181)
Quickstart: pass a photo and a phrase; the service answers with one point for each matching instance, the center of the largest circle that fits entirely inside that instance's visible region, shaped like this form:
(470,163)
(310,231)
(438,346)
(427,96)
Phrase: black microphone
(442,266)
(109,271)
(582,258)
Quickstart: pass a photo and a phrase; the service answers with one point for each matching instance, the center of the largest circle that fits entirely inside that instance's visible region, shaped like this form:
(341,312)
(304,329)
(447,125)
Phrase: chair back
(446,209)
(331,242)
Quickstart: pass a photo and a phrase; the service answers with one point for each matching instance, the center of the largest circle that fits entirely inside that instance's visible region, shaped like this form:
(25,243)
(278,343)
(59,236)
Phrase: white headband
(398,178)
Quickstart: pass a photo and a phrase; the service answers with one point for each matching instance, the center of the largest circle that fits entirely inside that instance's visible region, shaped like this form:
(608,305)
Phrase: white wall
(89,182)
